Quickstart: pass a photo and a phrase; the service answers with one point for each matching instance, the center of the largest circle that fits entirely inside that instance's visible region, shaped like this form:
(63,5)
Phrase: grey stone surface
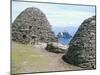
(82,48)
(56,47)
(32,24)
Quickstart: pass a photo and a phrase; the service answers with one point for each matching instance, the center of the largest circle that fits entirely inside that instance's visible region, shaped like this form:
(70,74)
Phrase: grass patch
(25,58)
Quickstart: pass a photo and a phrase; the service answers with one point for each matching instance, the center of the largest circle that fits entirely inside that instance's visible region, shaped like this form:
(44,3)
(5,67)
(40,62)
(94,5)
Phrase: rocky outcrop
(82,48)
(32,24)
(56,47)
(64,35)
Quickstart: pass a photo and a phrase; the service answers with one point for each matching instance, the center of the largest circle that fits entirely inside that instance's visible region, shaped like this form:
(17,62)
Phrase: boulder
(82,48)
(32,21)
(56,47)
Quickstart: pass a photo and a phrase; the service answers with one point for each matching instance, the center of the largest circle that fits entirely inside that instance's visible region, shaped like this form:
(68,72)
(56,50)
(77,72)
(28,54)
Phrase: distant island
(64,35)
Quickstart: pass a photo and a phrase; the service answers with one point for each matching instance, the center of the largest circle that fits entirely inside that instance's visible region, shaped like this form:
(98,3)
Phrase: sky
(57,14)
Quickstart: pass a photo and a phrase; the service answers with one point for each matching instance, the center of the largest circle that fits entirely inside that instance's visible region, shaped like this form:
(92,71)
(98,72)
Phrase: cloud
(58,15)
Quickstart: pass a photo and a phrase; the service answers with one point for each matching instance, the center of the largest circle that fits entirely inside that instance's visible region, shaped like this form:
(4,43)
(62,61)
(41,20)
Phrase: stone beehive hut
(32,23)
(82,48)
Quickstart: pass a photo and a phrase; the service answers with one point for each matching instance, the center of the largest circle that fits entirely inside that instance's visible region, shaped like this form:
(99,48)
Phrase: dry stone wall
(32,24)
(82,48)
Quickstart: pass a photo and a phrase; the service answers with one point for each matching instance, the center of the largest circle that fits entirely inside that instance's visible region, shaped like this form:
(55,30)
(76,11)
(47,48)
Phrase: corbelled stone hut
(82,48)
(32,21)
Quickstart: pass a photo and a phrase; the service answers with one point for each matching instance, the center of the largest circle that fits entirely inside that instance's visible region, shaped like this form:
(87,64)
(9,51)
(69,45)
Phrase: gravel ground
(34,58)
(56,63)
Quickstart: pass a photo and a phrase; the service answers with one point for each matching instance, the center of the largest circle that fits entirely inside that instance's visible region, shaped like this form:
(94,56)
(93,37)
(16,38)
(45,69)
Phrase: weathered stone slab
(56,47)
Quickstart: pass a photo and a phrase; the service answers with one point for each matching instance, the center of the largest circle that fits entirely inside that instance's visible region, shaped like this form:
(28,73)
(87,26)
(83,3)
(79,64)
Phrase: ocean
(70,29)
(64,41)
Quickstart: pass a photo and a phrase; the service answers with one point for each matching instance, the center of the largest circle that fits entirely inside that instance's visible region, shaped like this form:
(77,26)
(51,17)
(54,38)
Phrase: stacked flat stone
(32,23)
(82,48)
